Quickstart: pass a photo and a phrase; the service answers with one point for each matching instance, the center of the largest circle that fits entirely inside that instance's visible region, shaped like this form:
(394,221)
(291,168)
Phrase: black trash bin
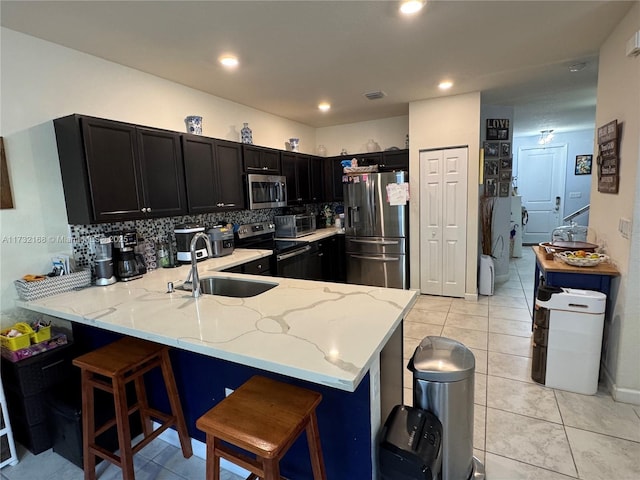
(411,445)
(65,422)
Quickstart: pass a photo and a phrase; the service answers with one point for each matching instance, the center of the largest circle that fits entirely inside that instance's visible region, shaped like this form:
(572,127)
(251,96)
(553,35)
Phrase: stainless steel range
(291,258)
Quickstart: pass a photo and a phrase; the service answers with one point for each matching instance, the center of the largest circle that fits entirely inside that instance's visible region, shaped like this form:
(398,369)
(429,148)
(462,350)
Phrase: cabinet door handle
(144,210)
(228,204)
(52,365)
(148,209)
(265,168)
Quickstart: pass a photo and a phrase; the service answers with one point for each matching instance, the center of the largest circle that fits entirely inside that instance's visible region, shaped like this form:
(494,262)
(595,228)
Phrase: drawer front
(37,374)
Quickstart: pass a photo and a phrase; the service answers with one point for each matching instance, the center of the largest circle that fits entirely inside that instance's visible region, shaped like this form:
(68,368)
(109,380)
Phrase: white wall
(437,123)
(618,98)
(387,132)
(42,81)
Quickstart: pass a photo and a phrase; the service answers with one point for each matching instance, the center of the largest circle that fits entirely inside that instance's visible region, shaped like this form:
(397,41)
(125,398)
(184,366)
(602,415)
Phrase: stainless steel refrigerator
(376,227)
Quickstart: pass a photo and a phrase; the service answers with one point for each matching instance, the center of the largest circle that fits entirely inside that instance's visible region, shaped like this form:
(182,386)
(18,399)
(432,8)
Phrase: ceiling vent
(375,95)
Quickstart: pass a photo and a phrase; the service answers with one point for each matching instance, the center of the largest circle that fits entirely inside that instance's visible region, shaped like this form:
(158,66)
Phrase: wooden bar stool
(111,368)
(263,417)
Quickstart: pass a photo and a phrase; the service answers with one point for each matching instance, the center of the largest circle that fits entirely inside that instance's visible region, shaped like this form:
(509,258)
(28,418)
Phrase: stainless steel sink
(231,287)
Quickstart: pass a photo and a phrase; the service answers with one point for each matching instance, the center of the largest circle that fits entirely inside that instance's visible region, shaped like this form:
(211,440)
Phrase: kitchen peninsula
(344,341)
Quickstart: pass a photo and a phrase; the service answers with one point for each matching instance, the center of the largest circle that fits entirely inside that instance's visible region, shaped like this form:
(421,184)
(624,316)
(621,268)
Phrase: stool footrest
(241,459)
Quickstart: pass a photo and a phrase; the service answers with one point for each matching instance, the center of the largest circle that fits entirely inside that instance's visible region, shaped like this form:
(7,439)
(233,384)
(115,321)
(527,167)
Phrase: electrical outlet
(228,391)
(624,227)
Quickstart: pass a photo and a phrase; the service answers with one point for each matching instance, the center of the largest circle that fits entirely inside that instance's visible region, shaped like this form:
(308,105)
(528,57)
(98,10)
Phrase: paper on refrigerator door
(397,193)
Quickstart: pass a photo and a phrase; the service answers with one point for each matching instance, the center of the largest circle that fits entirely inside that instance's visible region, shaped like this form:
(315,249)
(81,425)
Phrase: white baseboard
(624,395)
(199,450)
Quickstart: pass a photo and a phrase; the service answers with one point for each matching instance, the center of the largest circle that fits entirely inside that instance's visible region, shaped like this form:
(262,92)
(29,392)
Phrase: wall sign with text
(497,129)
(608,160)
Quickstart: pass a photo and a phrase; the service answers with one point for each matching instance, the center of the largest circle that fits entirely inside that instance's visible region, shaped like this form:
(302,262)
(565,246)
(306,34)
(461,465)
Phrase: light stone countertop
(321,332)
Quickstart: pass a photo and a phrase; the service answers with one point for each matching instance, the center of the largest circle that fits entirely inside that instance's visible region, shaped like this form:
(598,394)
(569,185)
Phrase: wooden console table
(559,274)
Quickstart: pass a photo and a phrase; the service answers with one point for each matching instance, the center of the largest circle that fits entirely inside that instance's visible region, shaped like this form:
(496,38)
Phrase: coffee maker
(102,248)
(184,233)
(125,256)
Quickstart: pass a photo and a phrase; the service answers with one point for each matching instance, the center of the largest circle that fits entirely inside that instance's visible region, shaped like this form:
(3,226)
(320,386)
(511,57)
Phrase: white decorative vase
(372,146)
(322,151)
(194,124)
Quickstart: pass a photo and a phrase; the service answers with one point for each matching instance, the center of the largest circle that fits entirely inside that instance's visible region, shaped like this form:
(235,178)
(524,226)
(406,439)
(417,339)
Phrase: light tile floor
(522,430)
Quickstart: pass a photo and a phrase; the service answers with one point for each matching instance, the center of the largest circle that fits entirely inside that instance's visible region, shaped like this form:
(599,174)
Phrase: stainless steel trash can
(443,383)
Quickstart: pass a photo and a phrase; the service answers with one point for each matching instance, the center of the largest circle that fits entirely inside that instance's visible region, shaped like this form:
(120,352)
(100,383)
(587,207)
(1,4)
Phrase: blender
(104,261)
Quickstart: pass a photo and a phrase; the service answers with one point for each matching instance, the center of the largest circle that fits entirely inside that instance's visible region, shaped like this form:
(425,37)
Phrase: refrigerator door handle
(375,242)
(376,259)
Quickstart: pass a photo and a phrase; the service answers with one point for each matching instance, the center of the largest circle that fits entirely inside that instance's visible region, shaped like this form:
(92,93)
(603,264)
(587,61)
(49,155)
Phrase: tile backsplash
(161,229)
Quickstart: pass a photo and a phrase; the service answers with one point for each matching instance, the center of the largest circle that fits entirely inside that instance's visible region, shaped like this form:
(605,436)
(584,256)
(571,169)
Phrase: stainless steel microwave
(266,191)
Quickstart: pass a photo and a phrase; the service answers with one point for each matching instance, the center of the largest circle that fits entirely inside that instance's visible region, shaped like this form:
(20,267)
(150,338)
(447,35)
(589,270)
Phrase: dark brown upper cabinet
(394,160)
(295,167)
(261,160)
(213,172)
(388,161)
(114,171)
(316,179)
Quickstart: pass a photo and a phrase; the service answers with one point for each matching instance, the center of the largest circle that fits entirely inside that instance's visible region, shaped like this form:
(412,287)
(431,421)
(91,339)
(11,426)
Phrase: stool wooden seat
(263,417)
(111,368)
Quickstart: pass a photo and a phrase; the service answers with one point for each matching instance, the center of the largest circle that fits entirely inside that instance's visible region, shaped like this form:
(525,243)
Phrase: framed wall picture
(497,129)
(491,167)
(505,149)
(583,164)
(503,189)
(491,187)
(491,149)
(506,163)
(505,175)
(5,188)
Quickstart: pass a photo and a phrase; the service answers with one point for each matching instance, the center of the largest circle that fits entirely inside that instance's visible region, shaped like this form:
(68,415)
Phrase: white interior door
(443,219)
(541,179)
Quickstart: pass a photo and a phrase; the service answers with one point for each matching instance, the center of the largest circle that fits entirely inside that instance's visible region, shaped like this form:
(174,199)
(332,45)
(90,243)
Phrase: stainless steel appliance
(291,258)
(294,226)
(376,228)
(184,233)
(103,248)
(126,261)
(221,237)
(266,191)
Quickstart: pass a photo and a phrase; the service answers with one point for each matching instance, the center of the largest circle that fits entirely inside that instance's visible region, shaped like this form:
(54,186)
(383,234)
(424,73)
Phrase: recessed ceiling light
(576,67)
(324,106)
(446,85)
(229,61)
(409,7)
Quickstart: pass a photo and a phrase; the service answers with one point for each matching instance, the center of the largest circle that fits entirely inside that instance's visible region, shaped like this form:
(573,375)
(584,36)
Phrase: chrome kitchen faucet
(193,273)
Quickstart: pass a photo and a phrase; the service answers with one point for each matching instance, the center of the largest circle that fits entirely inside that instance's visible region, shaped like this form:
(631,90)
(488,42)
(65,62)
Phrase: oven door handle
(295,253)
